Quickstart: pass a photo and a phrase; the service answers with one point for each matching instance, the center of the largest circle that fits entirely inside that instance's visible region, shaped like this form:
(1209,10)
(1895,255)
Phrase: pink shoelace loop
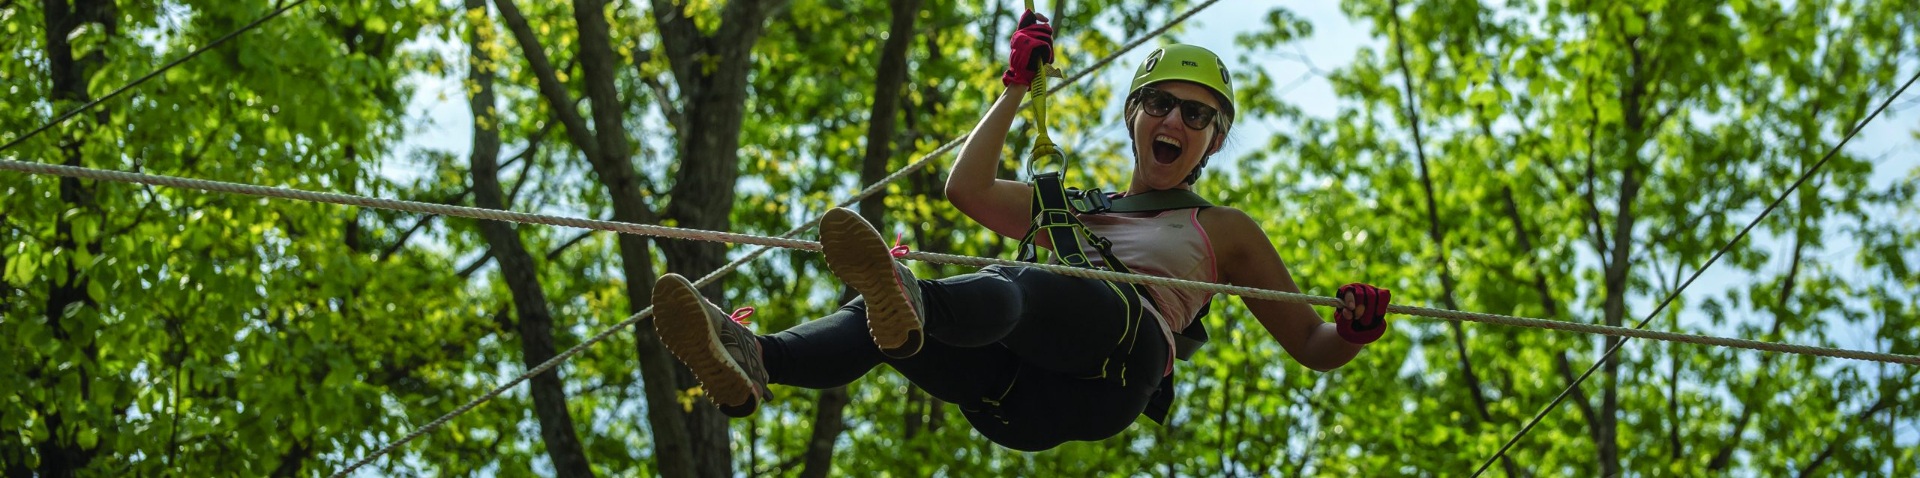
(899,250)
(740,315)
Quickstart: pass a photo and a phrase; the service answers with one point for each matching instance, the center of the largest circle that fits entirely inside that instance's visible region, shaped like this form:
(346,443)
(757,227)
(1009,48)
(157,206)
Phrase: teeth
(1169,140)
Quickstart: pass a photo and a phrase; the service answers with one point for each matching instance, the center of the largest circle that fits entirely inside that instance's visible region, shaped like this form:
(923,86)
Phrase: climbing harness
(1056,207)
(1054,217)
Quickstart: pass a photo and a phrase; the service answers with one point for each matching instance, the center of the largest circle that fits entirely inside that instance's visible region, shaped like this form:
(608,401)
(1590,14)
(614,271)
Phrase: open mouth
(1166,149)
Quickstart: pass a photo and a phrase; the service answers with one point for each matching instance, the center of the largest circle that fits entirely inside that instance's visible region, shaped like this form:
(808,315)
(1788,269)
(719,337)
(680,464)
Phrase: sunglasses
(1158,103)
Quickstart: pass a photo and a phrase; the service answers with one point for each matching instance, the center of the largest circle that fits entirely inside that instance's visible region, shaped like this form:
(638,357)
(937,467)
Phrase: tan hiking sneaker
(721,351)
(861,258)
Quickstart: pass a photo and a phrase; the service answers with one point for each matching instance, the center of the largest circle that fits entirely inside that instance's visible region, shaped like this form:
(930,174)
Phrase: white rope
(786,241)
(790,243)
(1453,315)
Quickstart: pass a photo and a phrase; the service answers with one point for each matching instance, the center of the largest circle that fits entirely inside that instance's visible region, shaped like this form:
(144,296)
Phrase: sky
(442,122)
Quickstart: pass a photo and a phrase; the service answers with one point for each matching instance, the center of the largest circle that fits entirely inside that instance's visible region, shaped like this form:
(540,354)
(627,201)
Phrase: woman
(1033,358)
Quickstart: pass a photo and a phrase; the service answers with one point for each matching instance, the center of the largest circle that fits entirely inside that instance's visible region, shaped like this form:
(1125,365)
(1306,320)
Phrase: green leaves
(150,319)
(1614,119)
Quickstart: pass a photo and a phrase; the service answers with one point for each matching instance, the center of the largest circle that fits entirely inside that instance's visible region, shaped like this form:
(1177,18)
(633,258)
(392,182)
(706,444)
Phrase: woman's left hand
(1362,315)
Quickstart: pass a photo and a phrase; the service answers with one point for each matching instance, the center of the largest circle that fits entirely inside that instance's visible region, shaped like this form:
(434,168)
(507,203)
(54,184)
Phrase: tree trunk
(1620,258)
(62,455)
(518,269)
(1438,234)
(711,72)
(1755,400)
(887,92)
(828,421)
(663,377)
(1616,299)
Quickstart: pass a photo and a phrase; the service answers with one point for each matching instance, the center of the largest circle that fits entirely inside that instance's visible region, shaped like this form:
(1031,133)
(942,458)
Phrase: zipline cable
(156,72)
(789,243)
(1696,274)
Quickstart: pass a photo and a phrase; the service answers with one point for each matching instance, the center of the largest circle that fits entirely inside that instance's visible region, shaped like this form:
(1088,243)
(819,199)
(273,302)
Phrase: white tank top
(1166,244)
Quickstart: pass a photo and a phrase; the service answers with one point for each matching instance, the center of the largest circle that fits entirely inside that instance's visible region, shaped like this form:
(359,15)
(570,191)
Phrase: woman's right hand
(1032,47)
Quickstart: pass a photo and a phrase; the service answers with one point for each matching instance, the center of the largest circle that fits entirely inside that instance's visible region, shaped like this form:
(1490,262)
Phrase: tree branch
(577,239)
(290,462)
(173,402)
(533,145)
(597,61)
(6,288)
(1674,445)
(1594,221)
(1578,397)
(550,86)
(661,95)
(469,269)
(528,154)
(139,217)
(681,40)
(1435,232)
(742,21)
(521,274)
(401,242)
(1748,409)
(1885,402)
(1819,459)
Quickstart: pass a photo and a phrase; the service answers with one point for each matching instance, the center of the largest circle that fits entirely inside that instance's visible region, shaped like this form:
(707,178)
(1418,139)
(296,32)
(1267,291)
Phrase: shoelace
(740,315)
(899,250)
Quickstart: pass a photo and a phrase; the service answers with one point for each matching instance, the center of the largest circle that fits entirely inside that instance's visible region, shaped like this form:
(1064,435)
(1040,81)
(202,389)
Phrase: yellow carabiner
(1043,146)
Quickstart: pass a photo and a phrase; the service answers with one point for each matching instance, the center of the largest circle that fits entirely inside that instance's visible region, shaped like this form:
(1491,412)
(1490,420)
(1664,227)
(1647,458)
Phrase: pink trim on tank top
(1213,261)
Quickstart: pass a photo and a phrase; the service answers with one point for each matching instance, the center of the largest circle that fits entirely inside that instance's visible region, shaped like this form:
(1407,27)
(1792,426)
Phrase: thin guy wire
(163,69)
(1696,274)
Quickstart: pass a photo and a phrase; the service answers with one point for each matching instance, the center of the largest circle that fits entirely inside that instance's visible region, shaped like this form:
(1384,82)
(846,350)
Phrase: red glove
(1364,317)
(1032,47)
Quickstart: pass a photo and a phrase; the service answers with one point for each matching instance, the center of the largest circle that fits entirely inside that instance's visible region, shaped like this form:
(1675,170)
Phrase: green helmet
(1181,61)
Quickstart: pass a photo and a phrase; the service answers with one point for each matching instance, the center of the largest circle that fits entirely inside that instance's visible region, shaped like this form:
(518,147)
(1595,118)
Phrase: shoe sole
(859,256)
(680,318)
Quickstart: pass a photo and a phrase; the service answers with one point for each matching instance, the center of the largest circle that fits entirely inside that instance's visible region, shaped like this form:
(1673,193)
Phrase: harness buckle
(1102,243)
(1090,201)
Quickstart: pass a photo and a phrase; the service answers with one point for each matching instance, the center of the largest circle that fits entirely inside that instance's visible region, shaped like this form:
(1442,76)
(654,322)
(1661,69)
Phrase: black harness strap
(1053,214)
(1054,209)
(1189,339)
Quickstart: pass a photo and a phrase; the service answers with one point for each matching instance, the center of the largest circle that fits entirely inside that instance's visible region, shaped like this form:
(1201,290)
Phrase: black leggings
(1022,351)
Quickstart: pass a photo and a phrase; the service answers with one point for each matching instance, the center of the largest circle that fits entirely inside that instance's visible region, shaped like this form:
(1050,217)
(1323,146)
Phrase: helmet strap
(1193,176)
